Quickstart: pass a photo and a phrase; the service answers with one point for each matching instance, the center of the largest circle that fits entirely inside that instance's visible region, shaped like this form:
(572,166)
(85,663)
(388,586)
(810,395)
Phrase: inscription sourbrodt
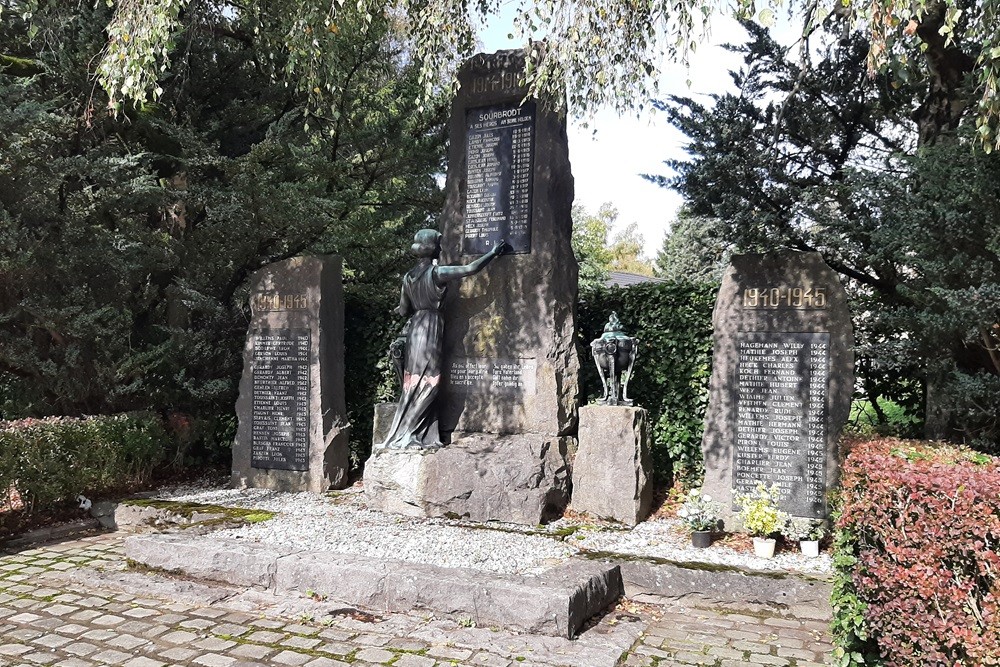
(499,159)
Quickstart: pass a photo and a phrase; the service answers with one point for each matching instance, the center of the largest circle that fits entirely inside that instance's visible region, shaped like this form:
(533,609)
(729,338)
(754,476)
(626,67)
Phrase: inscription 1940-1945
(280,415)
(781,390)
(499,164)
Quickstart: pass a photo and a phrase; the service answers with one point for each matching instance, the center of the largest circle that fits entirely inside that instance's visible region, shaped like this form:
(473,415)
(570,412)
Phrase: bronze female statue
(415,425)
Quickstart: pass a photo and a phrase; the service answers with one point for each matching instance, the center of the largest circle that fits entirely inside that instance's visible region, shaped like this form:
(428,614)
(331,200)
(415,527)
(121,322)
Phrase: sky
(610,156)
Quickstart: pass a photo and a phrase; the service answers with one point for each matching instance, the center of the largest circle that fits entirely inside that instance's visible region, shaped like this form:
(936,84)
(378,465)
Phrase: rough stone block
(296,335)
(230,561)
(556,602)
(809,596)
(382,422)
(515,478)
(610,473)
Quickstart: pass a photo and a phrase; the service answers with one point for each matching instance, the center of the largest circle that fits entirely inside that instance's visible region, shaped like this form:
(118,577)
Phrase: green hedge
(370,326)
(49,461)
(673,322)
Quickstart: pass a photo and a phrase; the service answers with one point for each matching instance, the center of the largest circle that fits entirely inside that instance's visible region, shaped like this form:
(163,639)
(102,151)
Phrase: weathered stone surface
(382,422)
(513,478)
(230,561)
(610,473)
(301,296)
(518,317)
(726,586)
(556,602)
(802,458)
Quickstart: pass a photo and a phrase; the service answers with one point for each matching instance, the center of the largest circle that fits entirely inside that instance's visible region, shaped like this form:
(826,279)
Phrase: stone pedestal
(293,433)
(610,474)
(514,478)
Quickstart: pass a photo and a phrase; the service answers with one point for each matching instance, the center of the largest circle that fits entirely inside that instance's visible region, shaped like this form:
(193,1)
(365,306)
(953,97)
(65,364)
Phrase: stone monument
(782,380)
(292,433)
(611,471)
(507,408)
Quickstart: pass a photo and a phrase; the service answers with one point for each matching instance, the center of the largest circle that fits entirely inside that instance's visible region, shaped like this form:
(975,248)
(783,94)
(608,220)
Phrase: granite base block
(521,478)
(611,470)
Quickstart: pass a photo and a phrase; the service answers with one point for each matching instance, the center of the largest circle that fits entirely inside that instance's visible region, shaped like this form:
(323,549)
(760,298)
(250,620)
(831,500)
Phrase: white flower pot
(764,547)
(809,547)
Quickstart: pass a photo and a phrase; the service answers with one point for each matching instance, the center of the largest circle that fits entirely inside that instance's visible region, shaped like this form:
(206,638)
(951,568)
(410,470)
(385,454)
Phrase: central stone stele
(507,413)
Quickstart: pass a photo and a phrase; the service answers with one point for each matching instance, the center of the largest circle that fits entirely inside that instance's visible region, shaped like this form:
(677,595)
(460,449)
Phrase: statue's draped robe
(415,423)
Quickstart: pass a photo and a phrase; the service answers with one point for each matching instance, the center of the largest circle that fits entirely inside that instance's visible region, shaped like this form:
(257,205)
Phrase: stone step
(658,580)
(556,602)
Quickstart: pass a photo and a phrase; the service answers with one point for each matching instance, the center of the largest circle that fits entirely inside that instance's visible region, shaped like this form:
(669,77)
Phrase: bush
(49,461)
(673,322)
(916,551)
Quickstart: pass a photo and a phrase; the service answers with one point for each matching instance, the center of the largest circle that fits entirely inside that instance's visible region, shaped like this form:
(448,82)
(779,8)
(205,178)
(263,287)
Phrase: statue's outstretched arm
(446,274)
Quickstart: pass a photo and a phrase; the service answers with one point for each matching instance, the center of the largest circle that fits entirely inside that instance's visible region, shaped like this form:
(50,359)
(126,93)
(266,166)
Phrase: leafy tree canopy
(693,250)
(599,252)
(593,52)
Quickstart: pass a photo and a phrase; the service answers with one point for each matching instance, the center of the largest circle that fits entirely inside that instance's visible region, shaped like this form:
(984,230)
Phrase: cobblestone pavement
(75,604)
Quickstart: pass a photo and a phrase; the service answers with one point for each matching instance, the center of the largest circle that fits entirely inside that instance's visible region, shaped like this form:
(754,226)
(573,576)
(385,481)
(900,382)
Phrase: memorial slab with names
(293,433)
(782,381)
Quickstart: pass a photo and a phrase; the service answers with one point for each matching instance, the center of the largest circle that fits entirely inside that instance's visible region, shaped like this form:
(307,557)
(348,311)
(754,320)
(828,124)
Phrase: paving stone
(327,662)
(214,660)
(80,648)
(142,661)
(295,641)
(252,651)
(110,657)
(52,641)
(290,658)
(14,649)
(375,655)
(449,652)
(178,654)
(265,637)
(40,658)
(180,637)
(214,644)
(410,660)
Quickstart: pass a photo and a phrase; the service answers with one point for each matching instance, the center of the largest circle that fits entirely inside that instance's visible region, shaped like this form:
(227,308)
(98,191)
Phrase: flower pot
(764,547)
(809,547)
(701,539)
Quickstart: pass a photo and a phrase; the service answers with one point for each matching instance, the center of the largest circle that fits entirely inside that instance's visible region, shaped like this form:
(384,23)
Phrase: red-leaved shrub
(924,520)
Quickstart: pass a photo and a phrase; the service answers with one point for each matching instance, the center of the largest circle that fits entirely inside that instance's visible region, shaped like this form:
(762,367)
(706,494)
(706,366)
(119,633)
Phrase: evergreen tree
(127,240)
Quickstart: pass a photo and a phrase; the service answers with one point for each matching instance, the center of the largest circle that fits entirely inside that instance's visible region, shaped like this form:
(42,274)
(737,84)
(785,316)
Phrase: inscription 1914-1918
(280,414)
(781,391)
(499,163)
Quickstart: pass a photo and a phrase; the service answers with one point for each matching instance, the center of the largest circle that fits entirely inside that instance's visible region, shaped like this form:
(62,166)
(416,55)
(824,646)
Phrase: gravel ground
(344,524)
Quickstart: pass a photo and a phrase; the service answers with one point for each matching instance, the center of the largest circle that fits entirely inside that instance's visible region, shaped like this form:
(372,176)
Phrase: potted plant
(761,517)
(808,533)
(700,515)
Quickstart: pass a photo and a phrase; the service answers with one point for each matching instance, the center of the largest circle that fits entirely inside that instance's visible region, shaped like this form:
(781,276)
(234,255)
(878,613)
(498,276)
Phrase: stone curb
(557,602)
(650,579)
(62,531)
